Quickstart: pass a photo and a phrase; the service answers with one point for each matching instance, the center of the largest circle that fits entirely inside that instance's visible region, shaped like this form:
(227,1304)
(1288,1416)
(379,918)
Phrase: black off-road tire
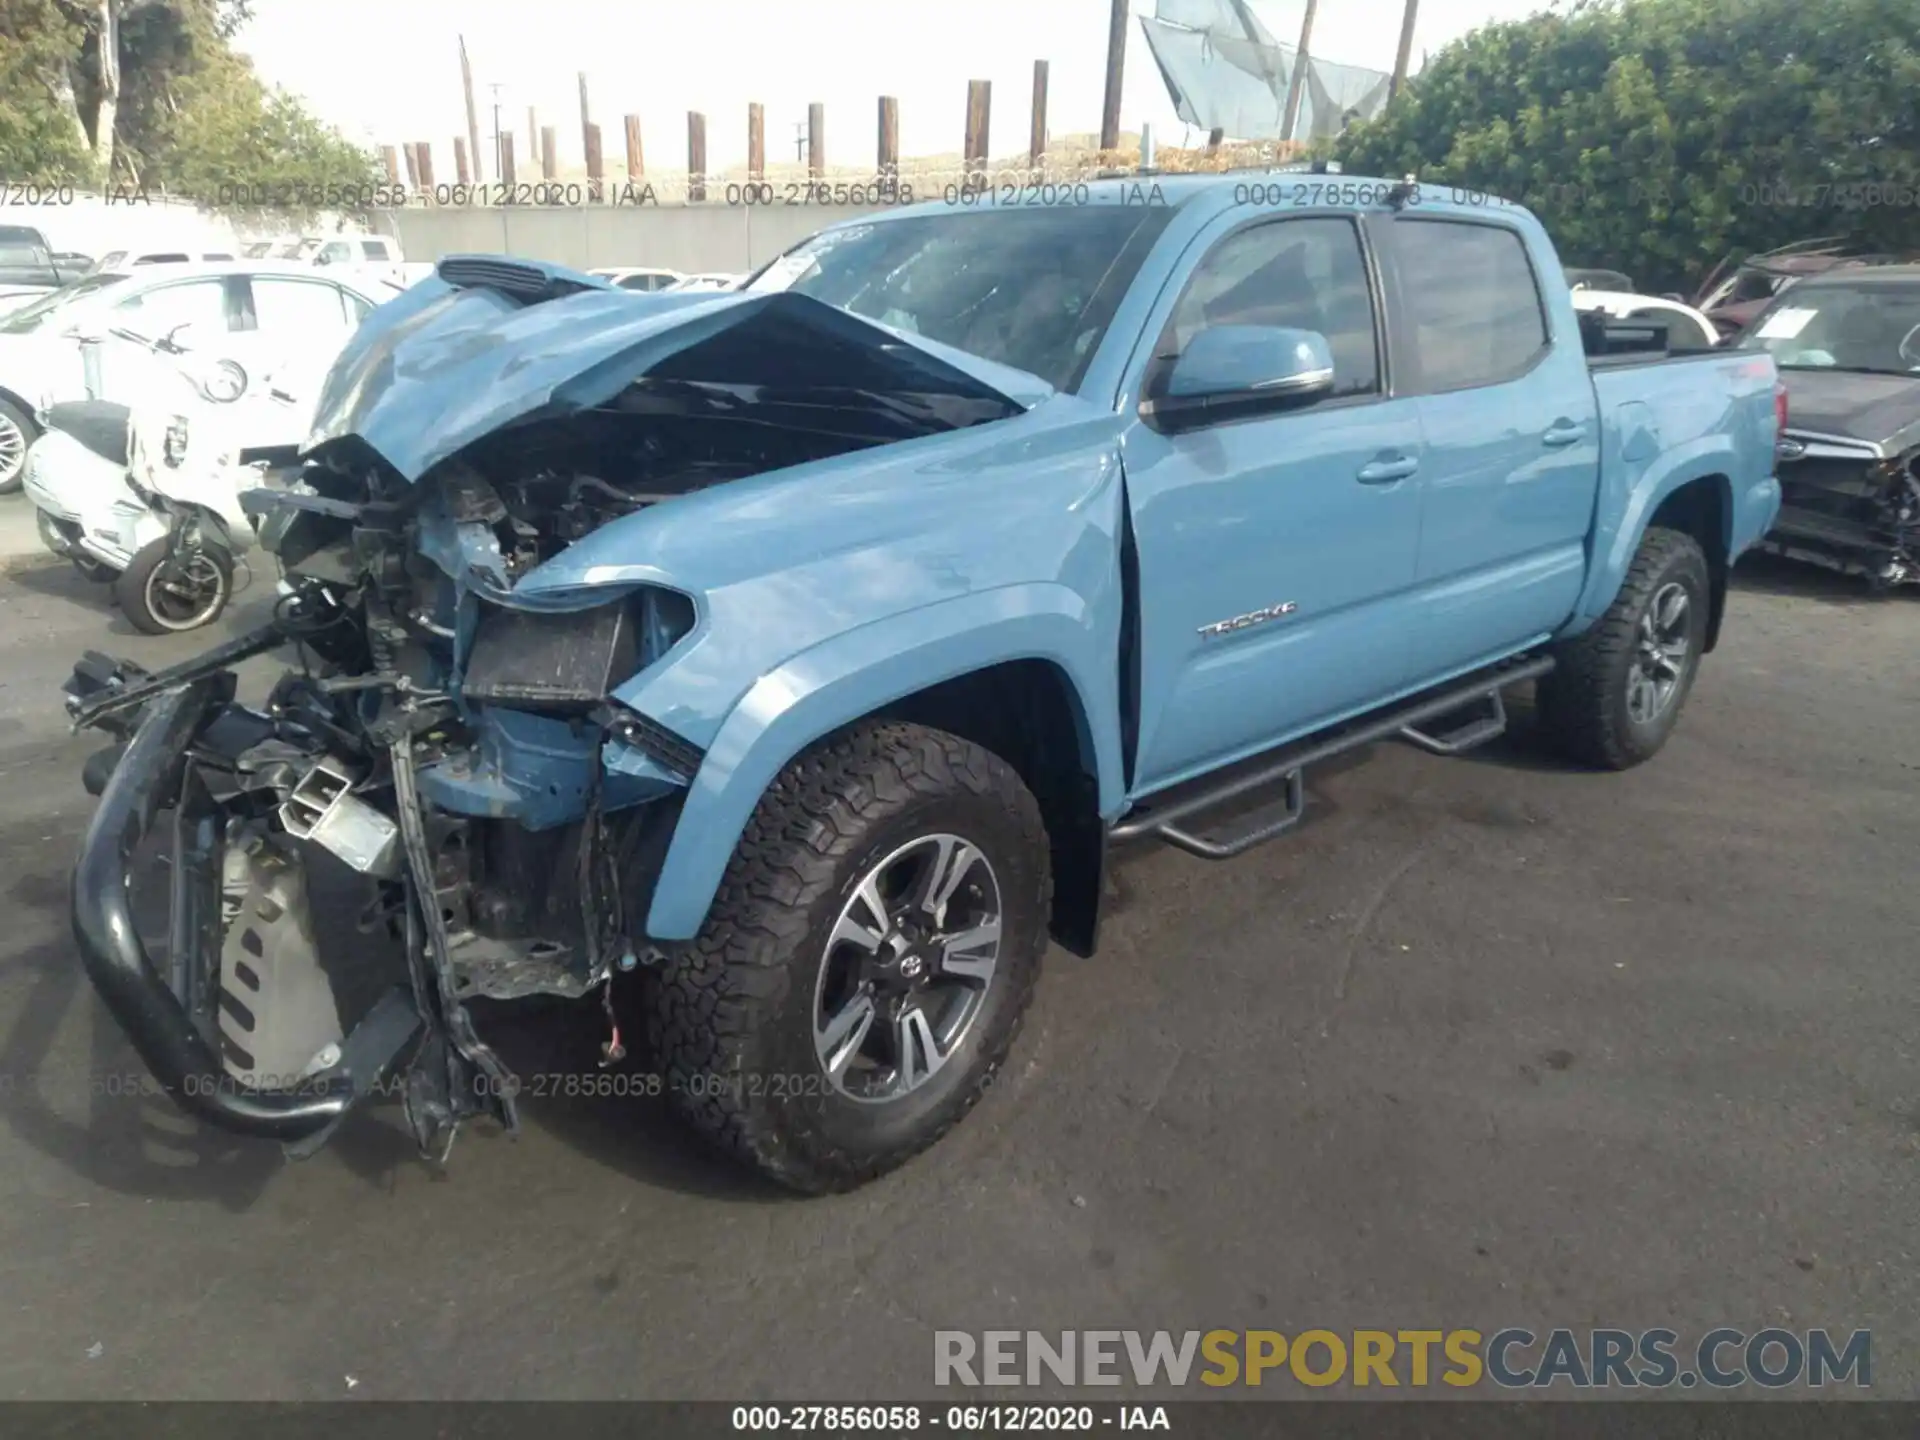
(1582,704)
(131,590)
(730,1015)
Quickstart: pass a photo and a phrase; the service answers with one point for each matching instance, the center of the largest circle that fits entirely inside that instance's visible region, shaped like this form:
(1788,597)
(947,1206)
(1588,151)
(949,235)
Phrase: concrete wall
(735,238)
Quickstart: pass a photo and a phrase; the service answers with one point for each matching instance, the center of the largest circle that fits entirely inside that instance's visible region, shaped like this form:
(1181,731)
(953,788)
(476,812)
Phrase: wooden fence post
(392,158)
(596,189)
(696,156)
(816,140)
(506,166)
(889,162)
(756,142)
(636,159)
(1037,135)
(424,163)
(979,101)
(408,154)
(460,171)
(549,152)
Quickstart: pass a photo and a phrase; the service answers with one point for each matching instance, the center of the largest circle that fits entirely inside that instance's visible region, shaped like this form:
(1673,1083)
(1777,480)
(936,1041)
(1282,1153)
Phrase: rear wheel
(1618,690)
(164,591)
(17,432)
(867,961)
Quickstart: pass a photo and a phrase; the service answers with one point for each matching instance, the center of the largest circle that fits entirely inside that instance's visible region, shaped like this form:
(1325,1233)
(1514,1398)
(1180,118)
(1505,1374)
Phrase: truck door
(1297,527)
(1508,411)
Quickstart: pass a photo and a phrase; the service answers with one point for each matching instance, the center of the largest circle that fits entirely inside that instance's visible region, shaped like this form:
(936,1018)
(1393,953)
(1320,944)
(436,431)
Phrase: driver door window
(1301,274)
(155,312)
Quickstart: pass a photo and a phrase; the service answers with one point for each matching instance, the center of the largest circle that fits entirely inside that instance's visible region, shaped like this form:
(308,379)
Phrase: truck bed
(1647,421)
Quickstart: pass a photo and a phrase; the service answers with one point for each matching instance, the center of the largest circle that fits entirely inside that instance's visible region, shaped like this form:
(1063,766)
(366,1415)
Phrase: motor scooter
(146,497)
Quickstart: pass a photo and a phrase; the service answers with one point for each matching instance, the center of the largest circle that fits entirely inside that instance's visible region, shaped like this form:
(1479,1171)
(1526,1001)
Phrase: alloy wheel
(13,450)
(907,968)
(1661,650)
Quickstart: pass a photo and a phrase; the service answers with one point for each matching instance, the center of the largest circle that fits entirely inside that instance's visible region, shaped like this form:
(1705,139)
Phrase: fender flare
(1615,544)
(855,674)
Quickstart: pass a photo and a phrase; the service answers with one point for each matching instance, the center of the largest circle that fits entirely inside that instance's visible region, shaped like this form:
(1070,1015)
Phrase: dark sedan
(1848,348)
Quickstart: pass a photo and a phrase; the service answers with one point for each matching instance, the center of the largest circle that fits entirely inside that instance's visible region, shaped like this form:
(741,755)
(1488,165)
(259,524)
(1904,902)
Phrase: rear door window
(289,306)
(1470,304)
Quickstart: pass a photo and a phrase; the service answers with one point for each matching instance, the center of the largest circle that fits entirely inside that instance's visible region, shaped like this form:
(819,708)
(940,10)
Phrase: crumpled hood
(491,341)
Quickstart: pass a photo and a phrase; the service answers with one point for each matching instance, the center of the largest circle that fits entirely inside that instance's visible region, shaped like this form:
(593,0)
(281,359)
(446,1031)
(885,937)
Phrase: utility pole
(1399,81)
(473,121)
(1116,64)
(499,167)
(1297,86)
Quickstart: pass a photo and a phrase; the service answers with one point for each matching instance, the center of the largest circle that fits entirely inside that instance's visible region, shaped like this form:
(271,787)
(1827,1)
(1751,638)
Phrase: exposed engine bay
(453,744)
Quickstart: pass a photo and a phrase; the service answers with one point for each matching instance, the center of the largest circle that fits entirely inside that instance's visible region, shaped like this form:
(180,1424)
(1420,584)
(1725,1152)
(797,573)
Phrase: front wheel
(165,591)
(1618,690)
(17,432)
(867,961)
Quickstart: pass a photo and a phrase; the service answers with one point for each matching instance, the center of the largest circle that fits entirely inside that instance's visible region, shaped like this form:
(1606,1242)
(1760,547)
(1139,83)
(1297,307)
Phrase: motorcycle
(146,497)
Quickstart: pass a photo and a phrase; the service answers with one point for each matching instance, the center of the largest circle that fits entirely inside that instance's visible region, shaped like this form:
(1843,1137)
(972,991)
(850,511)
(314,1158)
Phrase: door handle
(1388,468)
(1564,432)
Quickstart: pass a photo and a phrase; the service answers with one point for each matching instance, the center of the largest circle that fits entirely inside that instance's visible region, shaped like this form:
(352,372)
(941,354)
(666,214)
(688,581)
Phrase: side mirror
(1232,368)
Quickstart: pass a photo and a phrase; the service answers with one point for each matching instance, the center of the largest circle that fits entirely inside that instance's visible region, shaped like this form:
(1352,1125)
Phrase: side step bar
(1410,720)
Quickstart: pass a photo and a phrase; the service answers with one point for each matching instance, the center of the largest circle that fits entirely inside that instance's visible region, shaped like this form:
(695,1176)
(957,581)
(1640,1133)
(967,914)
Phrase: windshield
(32,317)
(1874,328)
(1031,288)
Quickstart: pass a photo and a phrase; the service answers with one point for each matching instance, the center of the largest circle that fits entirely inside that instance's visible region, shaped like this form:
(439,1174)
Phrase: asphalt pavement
(1488,1042)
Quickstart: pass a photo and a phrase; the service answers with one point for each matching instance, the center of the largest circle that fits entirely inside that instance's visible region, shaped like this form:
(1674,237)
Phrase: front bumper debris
(165,1017)
(179,753)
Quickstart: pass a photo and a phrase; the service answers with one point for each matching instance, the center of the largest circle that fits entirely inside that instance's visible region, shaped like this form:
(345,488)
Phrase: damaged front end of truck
(450,726)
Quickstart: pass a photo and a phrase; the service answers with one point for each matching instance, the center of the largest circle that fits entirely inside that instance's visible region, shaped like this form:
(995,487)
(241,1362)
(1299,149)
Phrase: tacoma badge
(1252,617)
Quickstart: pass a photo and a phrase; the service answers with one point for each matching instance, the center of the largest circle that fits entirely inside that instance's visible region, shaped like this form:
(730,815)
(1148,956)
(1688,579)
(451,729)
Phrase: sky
(387,71)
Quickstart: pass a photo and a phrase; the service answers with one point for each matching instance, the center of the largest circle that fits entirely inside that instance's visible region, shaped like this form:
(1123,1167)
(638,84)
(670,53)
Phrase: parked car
(60,347)
(707,281)
(805,651)
(1687,328)
(1848,347)
(29,267)
(1733,295)
(1611,280)
(640,279)
(128,259)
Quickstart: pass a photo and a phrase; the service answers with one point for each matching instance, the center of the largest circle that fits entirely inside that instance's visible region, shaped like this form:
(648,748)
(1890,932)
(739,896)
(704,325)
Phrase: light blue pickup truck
(804,650)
